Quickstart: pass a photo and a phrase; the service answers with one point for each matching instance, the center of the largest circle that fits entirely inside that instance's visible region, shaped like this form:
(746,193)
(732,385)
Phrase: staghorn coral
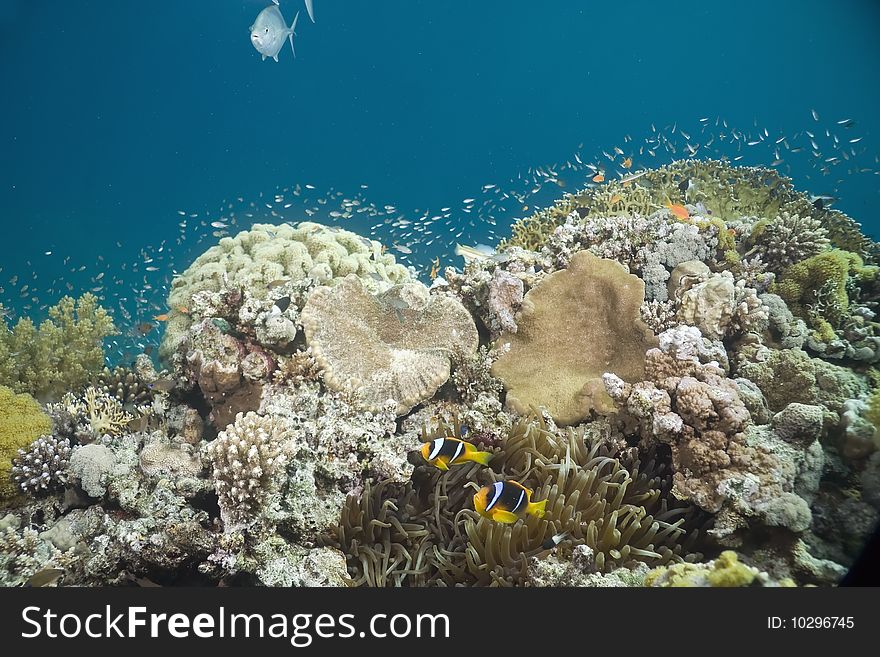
(577,324)
(396,345)
(246,459)
(308,253)
(86,417)
(42,466)
(424,532)
(64,353)
(786,240)
(21,422)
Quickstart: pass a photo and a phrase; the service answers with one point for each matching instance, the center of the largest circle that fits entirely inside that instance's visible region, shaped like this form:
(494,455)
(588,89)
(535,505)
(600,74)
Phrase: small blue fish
(269,32)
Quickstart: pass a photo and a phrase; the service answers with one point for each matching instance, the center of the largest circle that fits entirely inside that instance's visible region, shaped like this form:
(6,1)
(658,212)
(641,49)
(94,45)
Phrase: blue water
(117,115)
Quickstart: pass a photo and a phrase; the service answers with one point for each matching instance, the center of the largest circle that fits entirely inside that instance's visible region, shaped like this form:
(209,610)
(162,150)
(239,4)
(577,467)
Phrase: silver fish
(269,32)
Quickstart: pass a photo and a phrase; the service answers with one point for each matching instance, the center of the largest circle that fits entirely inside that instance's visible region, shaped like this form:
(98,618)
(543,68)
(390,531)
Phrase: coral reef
(257,259)
(575,325)
(63,354)
(397,345)
(21,422)
(424,532)
(718,462)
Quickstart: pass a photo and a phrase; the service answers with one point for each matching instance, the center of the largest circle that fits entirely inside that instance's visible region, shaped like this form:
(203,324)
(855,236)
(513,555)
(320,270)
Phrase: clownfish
(443,452)
(507,502)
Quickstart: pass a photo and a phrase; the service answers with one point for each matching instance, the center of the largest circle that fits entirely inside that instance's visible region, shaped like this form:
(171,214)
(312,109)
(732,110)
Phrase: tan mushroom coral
(576,325)
(396,345)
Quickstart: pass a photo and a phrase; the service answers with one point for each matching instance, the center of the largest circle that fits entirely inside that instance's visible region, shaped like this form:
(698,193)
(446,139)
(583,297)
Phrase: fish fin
(310,7)
(537,509)
(275,58)
(264,58)
(292,33)
(482,458)
(506,517)
(441,465)
(276,2)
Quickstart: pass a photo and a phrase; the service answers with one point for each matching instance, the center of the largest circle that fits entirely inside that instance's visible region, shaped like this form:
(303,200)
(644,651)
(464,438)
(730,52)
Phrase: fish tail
(482,458)
(537,509)
(292,33)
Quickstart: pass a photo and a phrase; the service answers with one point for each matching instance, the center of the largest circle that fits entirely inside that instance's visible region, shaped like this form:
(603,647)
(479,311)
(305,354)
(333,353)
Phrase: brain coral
(267,253)
(577,324)
(396,345)
(21,422)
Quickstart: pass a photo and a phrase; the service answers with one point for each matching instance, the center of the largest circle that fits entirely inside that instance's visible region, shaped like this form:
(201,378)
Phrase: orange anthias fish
(443,452)
(598,177)
(627,162)
(679,211)
(507,502)
(161,318)
(614,200)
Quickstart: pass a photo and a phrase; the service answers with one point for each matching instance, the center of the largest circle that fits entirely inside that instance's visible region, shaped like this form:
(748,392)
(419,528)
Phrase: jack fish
(269,32)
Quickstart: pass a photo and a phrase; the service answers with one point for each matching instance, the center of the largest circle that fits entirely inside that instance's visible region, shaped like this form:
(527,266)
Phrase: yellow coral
(815,289)
(21,422)
(725,571)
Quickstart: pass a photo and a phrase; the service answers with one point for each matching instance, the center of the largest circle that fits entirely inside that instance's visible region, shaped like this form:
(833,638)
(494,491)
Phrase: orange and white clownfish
(507,502)
(443,452)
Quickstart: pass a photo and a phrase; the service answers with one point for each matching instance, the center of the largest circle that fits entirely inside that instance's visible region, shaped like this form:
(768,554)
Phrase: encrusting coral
(425,532)
(21,422)
(64,353)
(397,345)
(725,571)
(577,324)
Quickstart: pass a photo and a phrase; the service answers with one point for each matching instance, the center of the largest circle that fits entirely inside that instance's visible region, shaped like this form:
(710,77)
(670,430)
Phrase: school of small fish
(134,286)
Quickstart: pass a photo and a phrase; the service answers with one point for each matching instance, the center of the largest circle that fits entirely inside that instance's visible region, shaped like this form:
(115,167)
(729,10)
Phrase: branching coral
(93,414)
(43,465)
(64,353)
(425,532)
(21,422)
(786,240)
(577,324)
(125,385)
(397,345)
(246,459)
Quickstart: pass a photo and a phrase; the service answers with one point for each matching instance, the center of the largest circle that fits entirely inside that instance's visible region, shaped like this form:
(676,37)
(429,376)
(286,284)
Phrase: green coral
(725,571)
(818,289)
(21,422)
(63,353)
